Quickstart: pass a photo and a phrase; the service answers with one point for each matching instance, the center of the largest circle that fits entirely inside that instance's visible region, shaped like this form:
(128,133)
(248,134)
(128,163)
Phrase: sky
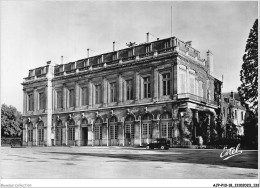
(34,32)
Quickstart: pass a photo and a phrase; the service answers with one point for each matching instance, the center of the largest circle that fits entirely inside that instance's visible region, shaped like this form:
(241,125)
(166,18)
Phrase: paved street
(116,162)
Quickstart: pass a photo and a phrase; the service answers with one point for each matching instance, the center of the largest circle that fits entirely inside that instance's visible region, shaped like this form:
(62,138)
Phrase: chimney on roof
(62,59)
(209,62)
(158,39)
(147,37)
(88,52)
(232,94)
(114,46)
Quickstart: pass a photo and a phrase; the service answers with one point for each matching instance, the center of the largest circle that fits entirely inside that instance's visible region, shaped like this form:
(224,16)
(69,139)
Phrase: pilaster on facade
(64,96)
(105,92)
(120,88)
(90,87)
(155,85)
(77,95)
(187,80)
(35,103)
(137,87)
(24,101)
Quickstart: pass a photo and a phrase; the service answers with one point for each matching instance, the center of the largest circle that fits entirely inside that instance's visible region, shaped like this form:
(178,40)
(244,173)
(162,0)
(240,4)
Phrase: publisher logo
(231,152)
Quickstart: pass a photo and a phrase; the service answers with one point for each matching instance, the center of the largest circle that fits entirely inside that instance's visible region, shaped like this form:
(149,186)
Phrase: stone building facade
(233,115)
(126,97)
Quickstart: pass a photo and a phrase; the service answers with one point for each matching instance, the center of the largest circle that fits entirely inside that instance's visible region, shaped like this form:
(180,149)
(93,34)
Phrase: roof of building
(228,94)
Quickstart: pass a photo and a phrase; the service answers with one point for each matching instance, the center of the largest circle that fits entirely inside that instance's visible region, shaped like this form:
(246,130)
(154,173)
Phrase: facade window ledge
(112,104)
(59,74)
(29,112)
(128,102)
(41,75)
(71,108)
(97,105)
(165,98)
(146,100)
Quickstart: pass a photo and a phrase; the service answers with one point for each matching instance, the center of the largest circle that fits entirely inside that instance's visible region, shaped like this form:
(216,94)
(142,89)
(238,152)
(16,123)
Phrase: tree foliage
(248,90)
(250,124)
(11,121)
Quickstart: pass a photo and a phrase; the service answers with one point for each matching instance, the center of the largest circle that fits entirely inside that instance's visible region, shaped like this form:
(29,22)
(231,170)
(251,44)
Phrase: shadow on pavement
(248,159)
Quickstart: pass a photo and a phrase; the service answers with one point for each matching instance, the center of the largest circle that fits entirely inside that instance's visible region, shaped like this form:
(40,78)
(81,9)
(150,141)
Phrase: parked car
(160,143)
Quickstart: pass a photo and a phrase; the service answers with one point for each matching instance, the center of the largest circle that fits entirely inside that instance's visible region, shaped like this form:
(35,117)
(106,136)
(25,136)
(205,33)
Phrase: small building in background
(233,114)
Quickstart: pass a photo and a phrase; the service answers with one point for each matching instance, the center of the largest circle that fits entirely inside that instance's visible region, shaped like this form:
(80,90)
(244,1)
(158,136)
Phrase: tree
(250,124)
(11,121)
(248,90)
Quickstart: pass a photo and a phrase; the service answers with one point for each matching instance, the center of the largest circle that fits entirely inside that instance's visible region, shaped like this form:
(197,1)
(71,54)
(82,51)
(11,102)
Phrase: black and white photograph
(129,93)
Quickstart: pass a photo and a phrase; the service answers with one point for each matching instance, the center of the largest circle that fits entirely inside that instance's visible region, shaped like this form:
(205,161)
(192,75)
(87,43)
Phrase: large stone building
(125,97)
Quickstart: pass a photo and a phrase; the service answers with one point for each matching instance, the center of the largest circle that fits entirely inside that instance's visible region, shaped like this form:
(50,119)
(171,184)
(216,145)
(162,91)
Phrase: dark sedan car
(160,143)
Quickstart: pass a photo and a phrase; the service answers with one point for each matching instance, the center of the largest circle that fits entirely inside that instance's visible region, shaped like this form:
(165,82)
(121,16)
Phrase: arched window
(113,119)
(129,127)
(71,122)
(84,121)
(30,132)
(71,130)
(129,118)
(166,125)
(98,129)
(147,126)
(147,116)
(99,120)
(40,132)
(59,130)
(113,127)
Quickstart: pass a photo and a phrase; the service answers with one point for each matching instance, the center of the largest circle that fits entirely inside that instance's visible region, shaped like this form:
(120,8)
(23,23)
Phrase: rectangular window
(167,44)
(130,53)
(200,89)
(84,96)
(147,130)
(114,57)
(242,116)
(182,82)
(192,84)
(147,89)
(169,131)
(98,133)
(59,99)
(71,133)
(113,92)
(148,49)
(42,100)
(99,60)
(130,129)
(71,97)
(72,66)
(30,135)
(31,102)
(166,84)
(113,131)
(164,130)
(41,135)
(129,90)
(98,94)
(58,134)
